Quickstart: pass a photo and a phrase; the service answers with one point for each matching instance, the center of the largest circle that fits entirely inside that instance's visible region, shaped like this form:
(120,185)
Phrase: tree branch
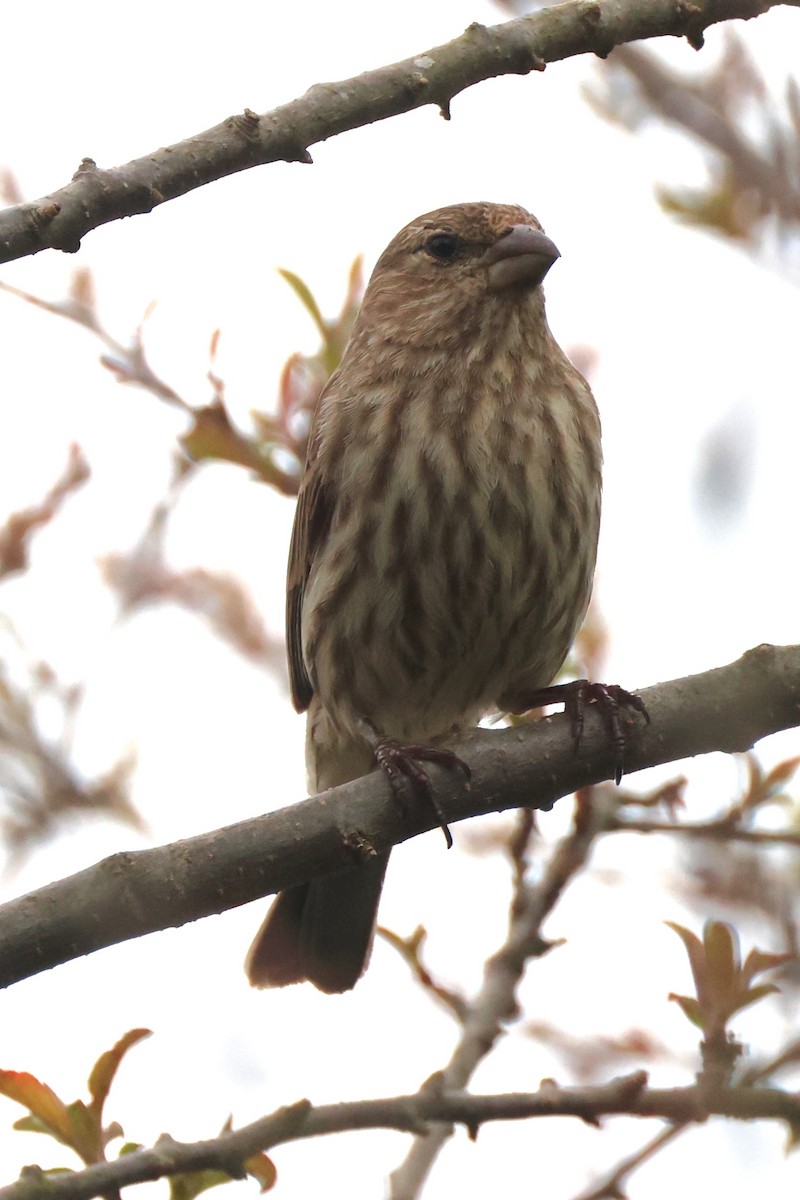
(131,894)
(628,1095)
(611,1185)
(95,197)
(717,831)
(488,1013)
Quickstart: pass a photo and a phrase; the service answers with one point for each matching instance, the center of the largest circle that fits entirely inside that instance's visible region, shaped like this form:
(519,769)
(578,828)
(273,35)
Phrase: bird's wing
(312,520)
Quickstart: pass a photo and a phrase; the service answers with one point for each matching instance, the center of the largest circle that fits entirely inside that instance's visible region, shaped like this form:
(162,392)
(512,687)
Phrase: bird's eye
(444,246)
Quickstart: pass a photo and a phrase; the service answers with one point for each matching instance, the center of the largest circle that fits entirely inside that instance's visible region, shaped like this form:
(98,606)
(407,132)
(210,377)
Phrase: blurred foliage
(752,138)
(143,576)
(77,1125)
(304,376)
(80,1126)
(742,867)
(724,986)
(39,785)
(723,982)
(19,527)
(275,451)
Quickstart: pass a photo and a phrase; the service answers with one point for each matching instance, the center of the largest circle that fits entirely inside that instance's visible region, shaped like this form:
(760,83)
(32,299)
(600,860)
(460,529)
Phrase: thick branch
(130,894)
(95,197)
(406,1114)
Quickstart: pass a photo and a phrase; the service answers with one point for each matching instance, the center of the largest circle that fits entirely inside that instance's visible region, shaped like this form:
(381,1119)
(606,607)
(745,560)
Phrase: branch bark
(95,196)
(628,1095)
(131,894)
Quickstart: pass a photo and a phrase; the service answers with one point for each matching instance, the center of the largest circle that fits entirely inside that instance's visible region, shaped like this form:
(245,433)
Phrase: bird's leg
(609,698)
(401,765)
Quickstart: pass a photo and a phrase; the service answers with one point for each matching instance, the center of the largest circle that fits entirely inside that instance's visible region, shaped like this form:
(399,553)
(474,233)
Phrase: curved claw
(610,699)
(401,765)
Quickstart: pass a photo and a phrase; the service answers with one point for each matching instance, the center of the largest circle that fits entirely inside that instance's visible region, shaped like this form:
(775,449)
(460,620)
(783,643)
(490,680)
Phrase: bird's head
(457,267)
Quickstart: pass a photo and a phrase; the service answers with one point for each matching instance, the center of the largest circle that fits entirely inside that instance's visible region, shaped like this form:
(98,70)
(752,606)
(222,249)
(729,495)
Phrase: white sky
(687,331)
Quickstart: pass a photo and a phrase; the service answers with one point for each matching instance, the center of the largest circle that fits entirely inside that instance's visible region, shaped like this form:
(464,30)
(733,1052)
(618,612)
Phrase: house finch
(444,541)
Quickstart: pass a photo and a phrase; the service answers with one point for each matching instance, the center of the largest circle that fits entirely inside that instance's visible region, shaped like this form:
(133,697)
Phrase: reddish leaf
(758,961)
(212,435)
(40,1100)
(263,1169)
(104,1070)
(782,772)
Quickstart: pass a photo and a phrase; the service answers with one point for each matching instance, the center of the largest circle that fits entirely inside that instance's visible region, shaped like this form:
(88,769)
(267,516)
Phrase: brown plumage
(445,535)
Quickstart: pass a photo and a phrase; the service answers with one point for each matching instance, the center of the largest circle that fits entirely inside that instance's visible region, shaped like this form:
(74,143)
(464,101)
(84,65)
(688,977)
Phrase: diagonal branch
(487,1014)
(611,1185)
(131,894)
(95,197)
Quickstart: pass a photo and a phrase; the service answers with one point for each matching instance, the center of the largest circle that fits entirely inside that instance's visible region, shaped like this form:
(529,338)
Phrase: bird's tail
(323,930)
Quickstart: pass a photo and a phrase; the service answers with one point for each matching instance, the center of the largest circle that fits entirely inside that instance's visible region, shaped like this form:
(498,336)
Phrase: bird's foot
(611,700)
(401,765)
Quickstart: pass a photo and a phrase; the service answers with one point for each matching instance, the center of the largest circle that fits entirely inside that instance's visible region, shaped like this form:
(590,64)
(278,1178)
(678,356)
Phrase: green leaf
(691,1009)
(31,1124)
(87,1132)
(721,946)
(191,1183)
(306,298)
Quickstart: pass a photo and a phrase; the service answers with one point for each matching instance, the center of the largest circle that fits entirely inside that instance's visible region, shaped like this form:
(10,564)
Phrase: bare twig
(276,451)
(496,1004)
(751,176)
(628,1095)
(610,1187)
(128,363)
(143,575)
(39,784)
(718,830)
(95,196)
(17,530)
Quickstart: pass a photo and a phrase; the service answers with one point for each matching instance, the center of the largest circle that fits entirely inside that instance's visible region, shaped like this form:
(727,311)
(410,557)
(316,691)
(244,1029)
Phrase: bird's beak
(521,257)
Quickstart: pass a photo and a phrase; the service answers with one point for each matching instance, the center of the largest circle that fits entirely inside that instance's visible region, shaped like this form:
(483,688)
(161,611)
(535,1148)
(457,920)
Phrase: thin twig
(495,1003)
(610,1187)
(628,1095)
(720,831)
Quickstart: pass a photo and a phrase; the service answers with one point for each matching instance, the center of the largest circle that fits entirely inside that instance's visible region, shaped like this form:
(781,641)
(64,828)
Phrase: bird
(444,542)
